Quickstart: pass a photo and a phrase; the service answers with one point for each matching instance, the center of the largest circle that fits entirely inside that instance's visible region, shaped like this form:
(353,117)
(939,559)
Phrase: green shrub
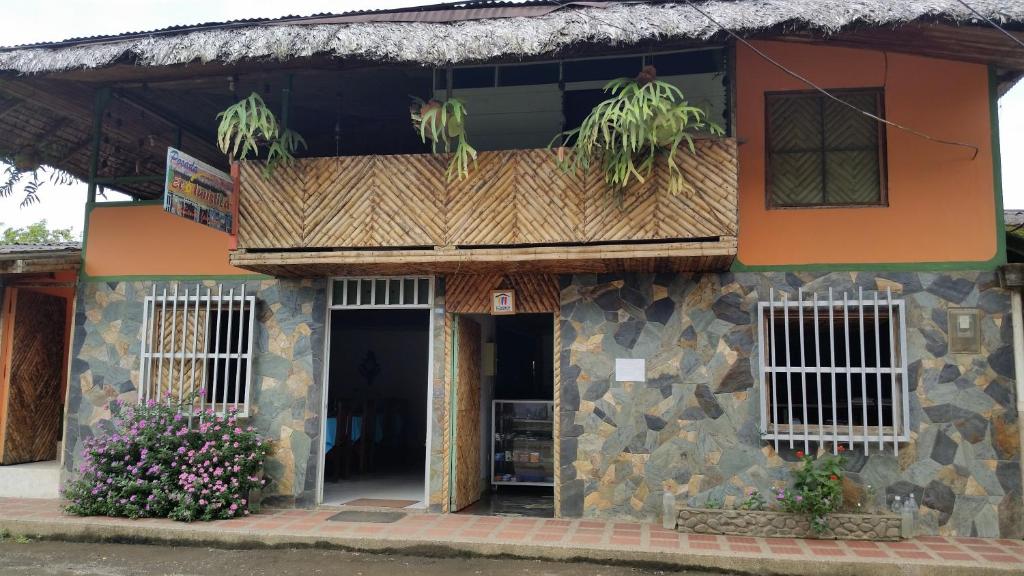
(817,490)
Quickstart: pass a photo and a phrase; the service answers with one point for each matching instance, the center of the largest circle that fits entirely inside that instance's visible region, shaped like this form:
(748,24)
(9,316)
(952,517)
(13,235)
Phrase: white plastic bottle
(668,510)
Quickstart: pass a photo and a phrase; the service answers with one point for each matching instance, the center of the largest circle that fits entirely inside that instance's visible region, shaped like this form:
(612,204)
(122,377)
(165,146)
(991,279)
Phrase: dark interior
(377,392)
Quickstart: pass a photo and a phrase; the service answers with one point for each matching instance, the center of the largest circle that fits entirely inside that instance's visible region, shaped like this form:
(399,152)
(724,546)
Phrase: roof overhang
(40,262)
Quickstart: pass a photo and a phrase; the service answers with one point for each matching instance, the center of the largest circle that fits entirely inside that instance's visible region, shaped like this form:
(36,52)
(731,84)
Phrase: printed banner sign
(503,302)
(197,191)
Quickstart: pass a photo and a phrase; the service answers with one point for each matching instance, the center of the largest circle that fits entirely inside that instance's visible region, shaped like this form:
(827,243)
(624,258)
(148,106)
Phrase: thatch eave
(443,43)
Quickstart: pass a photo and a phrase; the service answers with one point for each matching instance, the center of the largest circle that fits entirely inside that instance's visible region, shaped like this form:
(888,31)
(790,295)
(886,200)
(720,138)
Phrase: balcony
(516,212)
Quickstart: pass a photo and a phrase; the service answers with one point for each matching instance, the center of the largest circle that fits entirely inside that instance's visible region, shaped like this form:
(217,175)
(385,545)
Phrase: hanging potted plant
(444,124)
(643,118)
(249,127)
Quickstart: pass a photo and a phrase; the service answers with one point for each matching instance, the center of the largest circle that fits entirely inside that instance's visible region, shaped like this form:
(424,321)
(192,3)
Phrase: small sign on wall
(630,370)
(503,302)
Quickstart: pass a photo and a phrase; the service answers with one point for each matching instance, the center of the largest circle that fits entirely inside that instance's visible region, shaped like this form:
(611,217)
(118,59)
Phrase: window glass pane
(476,77)
(408,295)
(353,292)
(795,178)
(847,129)
(364,292)
(394,291)
(852,177)
(794,123)
(695,62)
(380,292)
(423,296)
(338,292)
(528,74)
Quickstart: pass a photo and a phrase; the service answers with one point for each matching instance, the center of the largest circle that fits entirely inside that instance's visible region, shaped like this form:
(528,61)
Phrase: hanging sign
(503,302)
(198,192)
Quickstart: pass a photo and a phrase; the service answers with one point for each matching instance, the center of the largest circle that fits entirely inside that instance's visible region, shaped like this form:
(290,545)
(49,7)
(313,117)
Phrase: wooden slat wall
(511,197)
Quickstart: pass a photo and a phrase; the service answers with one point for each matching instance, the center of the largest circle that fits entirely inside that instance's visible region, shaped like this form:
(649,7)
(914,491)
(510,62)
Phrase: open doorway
(516,412)
(376,428)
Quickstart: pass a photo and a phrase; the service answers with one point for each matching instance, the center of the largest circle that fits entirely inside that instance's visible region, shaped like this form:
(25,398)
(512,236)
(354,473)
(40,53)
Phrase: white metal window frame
(356,303)
(333,306)
(190,353)
(865,315)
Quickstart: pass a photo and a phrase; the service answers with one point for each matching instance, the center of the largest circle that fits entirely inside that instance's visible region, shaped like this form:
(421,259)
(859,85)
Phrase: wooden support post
(99,107)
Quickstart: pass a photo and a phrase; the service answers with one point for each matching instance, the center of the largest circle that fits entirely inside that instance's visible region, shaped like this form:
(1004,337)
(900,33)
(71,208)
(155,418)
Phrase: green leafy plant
(642,118)
(444,124)
(755,501)
(26,170)
(714,504)
(248,126)
(817,489)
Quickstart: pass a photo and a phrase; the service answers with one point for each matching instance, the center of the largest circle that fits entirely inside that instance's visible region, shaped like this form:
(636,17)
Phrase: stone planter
(782,524)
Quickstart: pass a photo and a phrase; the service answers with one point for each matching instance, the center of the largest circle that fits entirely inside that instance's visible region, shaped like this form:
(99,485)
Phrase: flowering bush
(159,463)
(817,489)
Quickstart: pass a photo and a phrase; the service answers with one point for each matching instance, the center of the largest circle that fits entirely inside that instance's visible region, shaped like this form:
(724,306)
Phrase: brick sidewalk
(595,540)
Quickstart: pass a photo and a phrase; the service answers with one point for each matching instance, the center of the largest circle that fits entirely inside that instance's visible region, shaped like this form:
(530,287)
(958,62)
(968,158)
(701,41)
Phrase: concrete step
(35,480)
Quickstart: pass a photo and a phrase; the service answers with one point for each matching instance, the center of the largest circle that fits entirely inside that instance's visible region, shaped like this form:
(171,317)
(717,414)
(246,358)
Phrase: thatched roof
(535,29)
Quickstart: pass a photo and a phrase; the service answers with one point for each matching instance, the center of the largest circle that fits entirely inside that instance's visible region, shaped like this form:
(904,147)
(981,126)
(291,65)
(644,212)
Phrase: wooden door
(30,405)
(466,412)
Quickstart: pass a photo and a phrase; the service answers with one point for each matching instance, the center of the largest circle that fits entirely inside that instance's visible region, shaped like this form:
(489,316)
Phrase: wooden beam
(667,256)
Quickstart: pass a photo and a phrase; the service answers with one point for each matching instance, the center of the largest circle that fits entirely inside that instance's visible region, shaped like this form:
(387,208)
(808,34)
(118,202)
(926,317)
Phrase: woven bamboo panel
(32,406)
(446,437)
(481,208)
(556,391)
(271,211)
(511,197)
(549,203)
(467,400)
(173,331)
(339,204)
(471,293)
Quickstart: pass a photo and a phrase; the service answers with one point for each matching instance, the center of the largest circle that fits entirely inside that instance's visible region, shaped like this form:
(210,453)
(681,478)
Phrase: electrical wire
(828,94)
(992,23)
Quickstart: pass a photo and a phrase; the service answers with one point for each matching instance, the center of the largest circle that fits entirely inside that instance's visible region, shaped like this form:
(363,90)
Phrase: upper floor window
(822,153)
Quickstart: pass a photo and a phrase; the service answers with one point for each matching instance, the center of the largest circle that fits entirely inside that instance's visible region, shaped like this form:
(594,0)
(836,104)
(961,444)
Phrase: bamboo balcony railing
(515,210)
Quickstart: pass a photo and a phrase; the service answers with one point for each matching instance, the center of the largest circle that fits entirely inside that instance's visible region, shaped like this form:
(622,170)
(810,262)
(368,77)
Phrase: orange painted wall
(146,241)
(941,203)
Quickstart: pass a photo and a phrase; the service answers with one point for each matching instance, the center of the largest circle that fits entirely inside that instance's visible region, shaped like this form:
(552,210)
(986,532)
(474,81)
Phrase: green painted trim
(998,259)
(453,424)
(171,277)
(997,165)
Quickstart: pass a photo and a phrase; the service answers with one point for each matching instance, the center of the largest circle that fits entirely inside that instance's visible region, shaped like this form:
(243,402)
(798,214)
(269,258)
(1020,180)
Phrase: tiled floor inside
(398,486)
(579,535)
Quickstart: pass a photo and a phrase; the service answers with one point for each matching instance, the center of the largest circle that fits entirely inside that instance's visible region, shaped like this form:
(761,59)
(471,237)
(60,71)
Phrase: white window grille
(198,340)
(834,370)
(382,292)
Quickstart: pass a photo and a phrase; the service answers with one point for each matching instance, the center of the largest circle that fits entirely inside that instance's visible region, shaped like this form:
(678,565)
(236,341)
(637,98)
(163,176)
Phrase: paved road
(73,559)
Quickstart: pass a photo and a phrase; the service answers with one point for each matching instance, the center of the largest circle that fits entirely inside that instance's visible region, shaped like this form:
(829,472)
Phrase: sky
(28,21)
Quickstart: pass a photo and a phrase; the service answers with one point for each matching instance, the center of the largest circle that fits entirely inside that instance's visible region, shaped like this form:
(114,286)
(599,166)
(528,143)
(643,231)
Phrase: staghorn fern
(249,125)
(642,118)
(445,123)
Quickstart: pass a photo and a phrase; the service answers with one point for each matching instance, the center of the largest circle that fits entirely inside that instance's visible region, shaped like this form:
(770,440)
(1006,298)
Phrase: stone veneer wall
(286,382)
(693,427)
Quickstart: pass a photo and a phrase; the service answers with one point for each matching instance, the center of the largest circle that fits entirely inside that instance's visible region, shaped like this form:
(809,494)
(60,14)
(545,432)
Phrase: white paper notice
(630,370)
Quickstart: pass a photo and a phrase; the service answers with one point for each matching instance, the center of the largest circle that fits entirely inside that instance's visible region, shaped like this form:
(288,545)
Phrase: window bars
(834,370)
(382,292)
(198,342)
